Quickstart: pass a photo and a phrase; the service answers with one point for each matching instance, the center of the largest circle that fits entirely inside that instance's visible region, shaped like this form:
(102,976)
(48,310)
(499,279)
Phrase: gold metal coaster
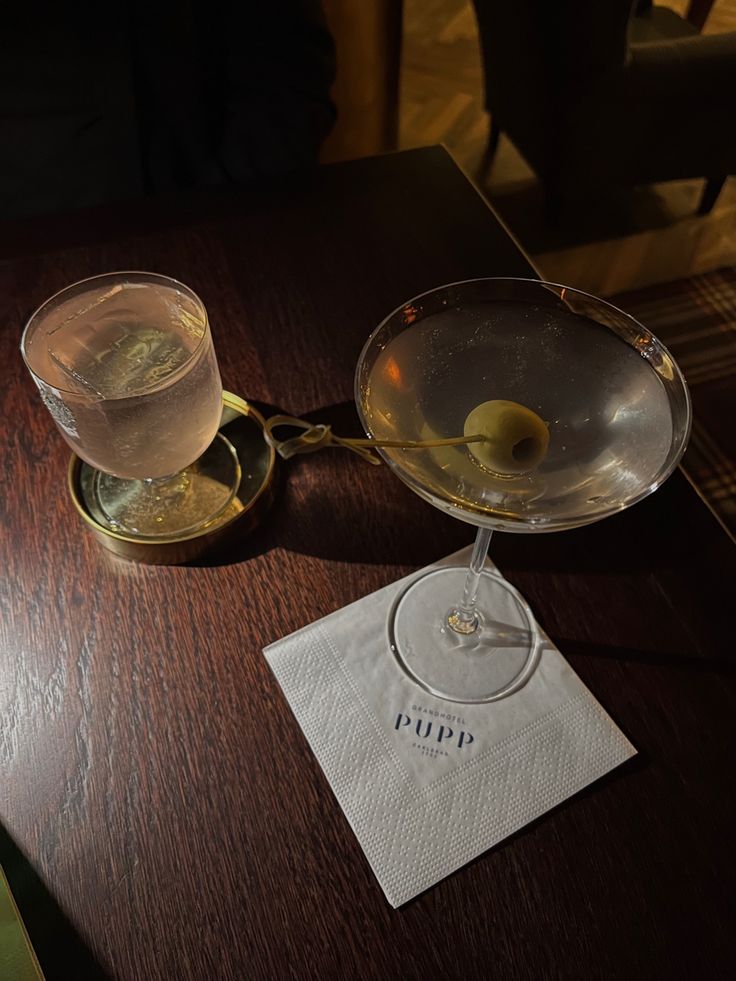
(242,427)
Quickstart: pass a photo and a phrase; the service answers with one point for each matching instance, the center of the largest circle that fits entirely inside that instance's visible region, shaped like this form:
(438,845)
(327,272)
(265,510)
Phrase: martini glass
(610,401)
(125,364)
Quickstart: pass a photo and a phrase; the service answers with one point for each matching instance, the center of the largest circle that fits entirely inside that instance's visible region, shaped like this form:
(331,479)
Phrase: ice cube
(77,341)
(184,313)
(122,339)
(73,380)
(70,313)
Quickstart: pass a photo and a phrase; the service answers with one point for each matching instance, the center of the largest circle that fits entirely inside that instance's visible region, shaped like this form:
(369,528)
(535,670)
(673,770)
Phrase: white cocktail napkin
(427,795)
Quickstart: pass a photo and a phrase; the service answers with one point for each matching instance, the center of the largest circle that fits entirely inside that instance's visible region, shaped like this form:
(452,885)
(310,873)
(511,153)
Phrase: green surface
(17,960)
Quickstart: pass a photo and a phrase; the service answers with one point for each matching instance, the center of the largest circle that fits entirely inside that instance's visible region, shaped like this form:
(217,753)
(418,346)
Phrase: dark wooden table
(163,817)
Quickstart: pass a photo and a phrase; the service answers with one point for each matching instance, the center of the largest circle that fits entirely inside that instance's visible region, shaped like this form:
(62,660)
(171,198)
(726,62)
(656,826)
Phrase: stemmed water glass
(126,366)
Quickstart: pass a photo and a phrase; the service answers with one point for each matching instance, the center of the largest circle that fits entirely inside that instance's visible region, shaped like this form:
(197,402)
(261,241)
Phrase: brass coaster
(242,427)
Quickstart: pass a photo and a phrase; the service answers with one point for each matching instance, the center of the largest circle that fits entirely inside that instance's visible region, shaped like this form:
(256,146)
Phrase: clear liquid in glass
(130,376)
(609,416)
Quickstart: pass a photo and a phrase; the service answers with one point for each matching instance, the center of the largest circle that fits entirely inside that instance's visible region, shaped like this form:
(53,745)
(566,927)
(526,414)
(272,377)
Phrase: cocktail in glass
(573,411)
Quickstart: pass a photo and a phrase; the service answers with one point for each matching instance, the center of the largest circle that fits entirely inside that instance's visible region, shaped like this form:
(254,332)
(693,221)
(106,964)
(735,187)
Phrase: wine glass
(126,366)
(577,410)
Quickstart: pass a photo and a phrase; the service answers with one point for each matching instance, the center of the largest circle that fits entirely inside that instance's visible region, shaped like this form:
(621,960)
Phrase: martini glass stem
(464,619)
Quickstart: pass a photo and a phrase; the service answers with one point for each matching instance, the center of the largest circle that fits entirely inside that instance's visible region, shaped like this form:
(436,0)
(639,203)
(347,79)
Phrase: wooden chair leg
(490,151)
(711,191)
(493,138)
(697,13)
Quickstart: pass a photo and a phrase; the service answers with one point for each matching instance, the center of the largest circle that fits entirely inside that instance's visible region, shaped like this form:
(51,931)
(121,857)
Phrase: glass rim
(117,274)
(520,523)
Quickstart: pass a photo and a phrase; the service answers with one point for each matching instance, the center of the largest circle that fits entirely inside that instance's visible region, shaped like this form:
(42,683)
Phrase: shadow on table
(333,505)
(60,951)
(680,660)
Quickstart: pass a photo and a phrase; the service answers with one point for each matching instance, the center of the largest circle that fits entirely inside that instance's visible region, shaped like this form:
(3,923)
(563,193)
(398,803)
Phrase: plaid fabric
(696,319)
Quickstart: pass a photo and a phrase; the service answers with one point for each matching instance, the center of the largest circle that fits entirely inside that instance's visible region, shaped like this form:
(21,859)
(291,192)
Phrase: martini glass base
(493,661)
(182,504)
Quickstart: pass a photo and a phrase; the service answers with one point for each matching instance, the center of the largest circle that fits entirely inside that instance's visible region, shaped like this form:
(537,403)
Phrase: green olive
(516,439)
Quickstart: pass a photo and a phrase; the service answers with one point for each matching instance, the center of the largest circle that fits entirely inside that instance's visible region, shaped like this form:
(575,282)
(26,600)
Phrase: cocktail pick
(318,436)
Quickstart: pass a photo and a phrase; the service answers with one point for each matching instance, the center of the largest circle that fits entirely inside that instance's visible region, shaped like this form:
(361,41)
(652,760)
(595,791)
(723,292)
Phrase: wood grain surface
(162,815)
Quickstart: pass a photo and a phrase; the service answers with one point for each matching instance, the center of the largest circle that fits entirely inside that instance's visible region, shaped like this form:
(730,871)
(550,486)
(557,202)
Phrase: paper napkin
(426,784)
